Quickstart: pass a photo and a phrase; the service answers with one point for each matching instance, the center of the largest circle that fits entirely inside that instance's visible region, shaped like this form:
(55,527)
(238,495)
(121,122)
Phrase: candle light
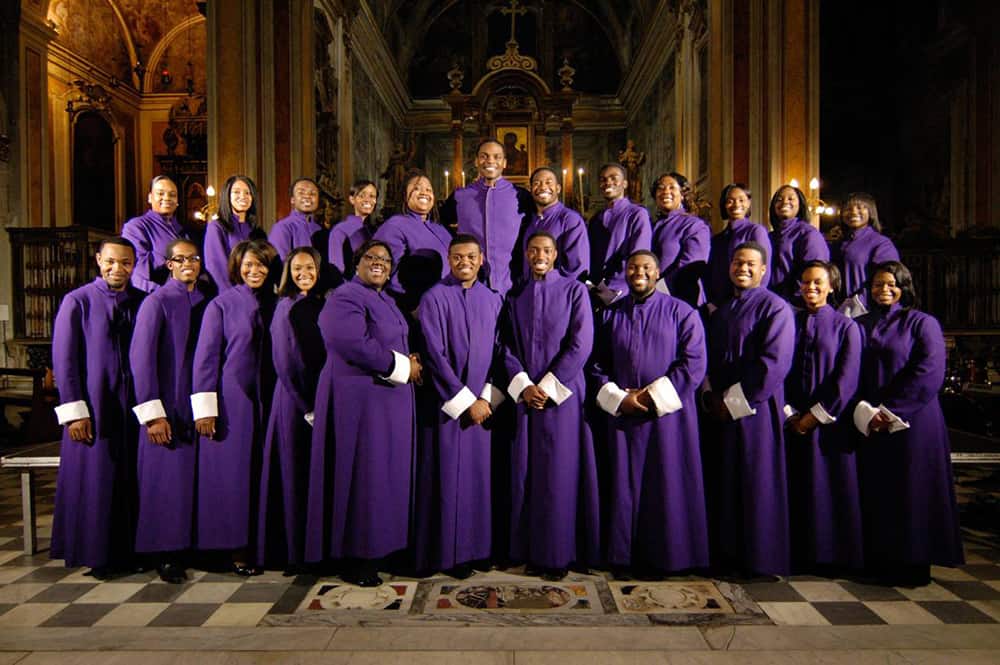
(210,191)
(814,184)
(563,183)
(579,173)
(463,177)
(446,174)
(794,183)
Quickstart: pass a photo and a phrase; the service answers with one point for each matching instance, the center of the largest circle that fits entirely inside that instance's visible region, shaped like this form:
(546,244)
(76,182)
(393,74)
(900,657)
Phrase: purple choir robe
(614,234)
(453,514)
(794,242)
(162,356)
(907,487)
(233,380)
(94,522)
(345,238)
(151,233)
(681,241)
(657,504)
(496,216)
(570,232)
(823,494)
(419,252)
(857,253)
(750,343)
(296,230)
(218,244)
(718,287)
(298,354)
(548,334)
(363,436)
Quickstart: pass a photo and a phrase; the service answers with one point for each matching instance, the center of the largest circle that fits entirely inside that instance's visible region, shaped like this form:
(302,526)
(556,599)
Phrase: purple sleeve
(335,248)
(344,324)
(883,251)
(694,246)
(144,352)
(216,257)
(764,374)
(688,369)
(67,352)
(816,248)
(576,246)
(761,236)
(208,352)
(393,236)
(281,238)
(288,361)
(145,261)
(838,390)
(640,235)
(575,351)
(433,324)
(508,341)
(599,365)
(920,379)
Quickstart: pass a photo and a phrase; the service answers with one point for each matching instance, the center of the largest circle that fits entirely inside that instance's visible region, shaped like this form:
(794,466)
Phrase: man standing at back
(151,232)
(615,233)
(299,228)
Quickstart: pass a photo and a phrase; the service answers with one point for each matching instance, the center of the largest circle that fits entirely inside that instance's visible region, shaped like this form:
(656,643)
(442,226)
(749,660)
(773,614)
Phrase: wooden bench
(44,456)
(40,422)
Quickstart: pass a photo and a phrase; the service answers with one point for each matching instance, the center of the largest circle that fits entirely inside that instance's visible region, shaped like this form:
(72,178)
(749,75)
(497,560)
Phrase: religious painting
(514,139)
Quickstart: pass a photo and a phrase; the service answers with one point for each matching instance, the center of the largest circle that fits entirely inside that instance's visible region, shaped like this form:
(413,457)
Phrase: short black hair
(168,253)
(116,240)
(291,188)
(725,194)
(613,165)
(904,281)
(831,269)
(540,234)
(465,239)
(755,246)
(551,170)
(682,182)
(490,140)
(265,253)
(158,178)
(644,252)
(368,244)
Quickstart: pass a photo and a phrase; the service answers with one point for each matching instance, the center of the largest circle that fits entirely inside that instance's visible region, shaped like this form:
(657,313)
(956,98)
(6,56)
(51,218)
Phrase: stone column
(33,130)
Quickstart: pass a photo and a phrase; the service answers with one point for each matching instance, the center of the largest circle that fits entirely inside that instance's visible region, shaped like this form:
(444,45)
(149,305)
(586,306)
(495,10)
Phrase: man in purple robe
(94,522)
(565,224)
(493,210)
(162,354)
(299,229)
(458,322)
(548,334)
(621,229)
(649,359)
(152,232)
(750,343)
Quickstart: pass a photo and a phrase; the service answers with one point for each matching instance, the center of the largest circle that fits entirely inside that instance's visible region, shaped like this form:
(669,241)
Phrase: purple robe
(162,356)
(218,244)
(681,241)
(151,234)
(419,252)
(496,216)
(718,287)
(657,503)
(345,238)
(907,487)
(823,494)
(296,230)
(233,377)
(857,254)
(794,242)
(548,334)
(453,515)
(94,522)
(614,234)
(363,436)
(570,232)
(298,354)
(750,343)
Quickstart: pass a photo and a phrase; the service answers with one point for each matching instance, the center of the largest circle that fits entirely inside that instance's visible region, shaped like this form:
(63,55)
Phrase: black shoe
(621,573)
(246,570)
(482,565)
(361,573)
(462,571)
(553,574)
(101,573)
(172,573)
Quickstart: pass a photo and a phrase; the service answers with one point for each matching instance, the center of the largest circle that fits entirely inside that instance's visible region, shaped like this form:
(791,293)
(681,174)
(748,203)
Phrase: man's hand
(479,412)
(159,431)
(416,369)
(717,407)
(205,426)
(632,404)
(879,423)
(81,430)
(534,397)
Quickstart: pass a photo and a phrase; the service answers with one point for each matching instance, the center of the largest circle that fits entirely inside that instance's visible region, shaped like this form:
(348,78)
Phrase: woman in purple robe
(298,354)
(233,384)
(794,241)
(823,495)
(565,224)
(152,232)
(860,248)
(734,204)
(237,221)
(904,459)
(680,239)
(352,231)
(361,470)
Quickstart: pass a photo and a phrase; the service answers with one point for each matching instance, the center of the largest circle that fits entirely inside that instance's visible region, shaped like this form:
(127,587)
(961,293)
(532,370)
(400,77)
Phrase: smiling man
(615,233)
(565,224)
(300,228)
(152,232)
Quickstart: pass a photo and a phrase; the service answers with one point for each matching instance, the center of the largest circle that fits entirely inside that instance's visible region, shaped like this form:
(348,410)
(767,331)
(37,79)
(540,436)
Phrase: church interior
(97,97)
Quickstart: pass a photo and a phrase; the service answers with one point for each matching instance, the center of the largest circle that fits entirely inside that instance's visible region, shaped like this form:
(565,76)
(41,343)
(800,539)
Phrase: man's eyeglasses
(185,259)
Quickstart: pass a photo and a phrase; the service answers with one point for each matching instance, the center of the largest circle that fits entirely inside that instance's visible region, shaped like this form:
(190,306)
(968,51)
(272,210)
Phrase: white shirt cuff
(70,411)
(204,405)
(610,397)
(400,370)
(821,414)
(863,414)
(309,418)
(554,388)
(493,395)
(457,405)
(151,410)
(664,396)
(790,411)
(517,385)
(852,308)
(897,423)
(737,403)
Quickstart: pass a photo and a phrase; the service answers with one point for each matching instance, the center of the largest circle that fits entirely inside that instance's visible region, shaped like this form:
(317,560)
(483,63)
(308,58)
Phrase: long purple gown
(94,523)
(363,436)
(548,334)
(570,232)
(233,377)
(151,233)
(453,513)
(298,354)
(162,356)
(419,252)
(681,242)
(718,287)
(907,487)
(794,242)
(218,244)
(614,234)
(750,343)
(857,253)
(297,230)
(345,238)
(657,515)
(823,494)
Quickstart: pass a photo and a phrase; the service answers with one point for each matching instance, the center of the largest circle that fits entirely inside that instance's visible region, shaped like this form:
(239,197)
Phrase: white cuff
(457,405)
(737,403)
(821,414)
(70,411)
(204,405)
(400,370)
(554,388)
(309,418)
(664,396)
(151,410)
(610,397)
(863,414)
(493,395)
(517,385)
(897,423)
(852,308)
(790,411)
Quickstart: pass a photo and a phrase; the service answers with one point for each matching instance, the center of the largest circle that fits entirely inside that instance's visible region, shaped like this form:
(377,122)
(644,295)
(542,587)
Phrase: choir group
(496,381)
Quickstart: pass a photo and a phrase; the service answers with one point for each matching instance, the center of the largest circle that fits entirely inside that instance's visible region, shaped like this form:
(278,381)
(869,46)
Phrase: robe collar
(619,205)
(734,224)
(551,212)
(170,222)
(302,216)
(788,224)
(119,296)
(860,233)
(501,183)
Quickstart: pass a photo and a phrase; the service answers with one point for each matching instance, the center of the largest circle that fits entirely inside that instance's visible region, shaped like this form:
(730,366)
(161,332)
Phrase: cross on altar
(514,10)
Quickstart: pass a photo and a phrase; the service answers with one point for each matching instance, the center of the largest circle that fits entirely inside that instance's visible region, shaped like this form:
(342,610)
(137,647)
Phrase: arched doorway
(93,171)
